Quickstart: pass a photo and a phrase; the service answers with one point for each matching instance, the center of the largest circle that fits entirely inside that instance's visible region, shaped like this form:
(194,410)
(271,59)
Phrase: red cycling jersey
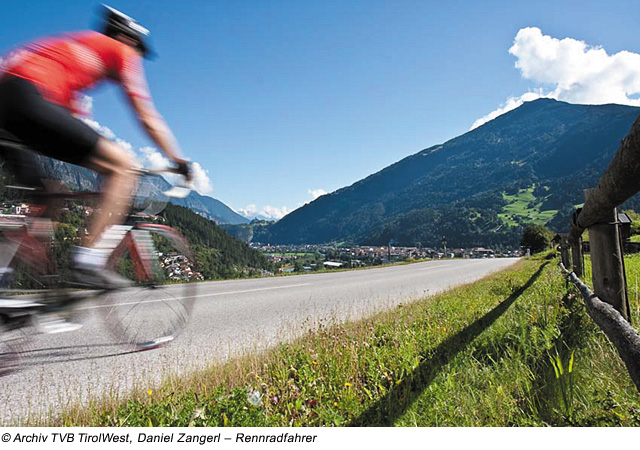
(62,66)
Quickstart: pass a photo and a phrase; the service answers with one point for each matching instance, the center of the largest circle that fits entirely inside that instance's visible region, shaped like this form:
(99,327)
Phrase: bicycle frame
(33,251)
(137,240)
(153,315)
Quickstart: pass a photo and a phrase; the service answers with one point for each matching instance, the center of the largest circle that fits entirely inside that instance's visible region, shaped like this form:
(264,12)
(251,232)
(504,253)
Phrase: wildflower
(197,414)
(347,385)
(149,392)
(254,398)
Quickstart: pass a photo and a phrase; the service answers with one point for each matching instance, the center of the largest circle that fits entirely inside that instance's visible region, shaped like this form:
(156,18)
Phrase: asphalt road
(229,318)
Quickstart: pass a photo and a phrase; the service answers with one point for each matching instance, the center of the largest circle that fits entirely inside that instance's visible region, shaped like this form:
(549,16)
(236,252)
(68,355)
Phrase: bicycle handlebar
(143,171)
(176,190)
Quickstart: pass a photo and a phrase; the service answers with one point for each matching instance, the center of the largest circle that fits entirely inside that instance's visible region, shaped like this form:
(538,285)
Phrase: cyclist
(38,104)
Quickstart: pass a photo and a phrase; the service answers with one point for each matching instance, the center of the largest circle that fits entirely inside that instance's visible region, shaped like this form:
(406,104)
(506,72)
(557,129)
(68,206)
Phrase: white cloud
(153,159)
(86,105)
(572,71)
(511,103)
(265,212)
(315,193)
(201,181)
(250,211)
(274,213)
(105,131)
(129,149)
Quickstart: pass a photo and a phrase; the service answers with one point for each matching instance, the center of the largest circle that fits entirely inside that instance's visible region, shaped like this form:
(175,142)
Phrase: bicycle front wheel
(161,268)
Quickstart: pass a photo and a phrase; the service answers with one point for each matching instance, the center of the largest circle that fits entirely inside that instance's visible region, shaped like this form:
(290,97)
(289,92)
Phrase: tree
(536,238)
(635,221)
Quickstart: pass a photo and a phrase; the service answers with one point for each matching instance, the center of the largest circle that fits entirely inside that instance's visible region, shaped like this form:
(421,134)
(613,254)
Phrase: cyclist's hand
(184,168)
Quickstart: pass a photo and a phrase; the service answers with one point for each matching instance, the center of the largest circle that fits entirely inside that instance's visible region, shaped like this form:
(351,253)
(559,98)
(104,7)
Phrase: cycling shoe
(52,323)
(95,278)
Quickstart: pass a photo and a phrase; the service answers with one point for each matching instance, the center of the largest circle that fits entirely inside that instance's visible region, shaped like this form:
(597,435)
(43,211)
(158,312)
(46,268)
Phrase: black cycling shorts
(47,128)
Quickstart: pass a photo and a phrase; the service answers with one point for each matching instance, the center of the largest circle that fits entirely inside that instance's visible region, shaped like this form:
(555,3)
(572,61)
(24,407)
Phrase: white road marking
(194,296)
(215,294)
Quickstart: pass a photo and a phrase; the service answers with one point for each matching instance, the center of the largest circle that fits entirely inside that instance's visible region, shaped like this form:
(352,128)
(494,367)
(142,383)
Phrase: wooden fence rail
(625,338)
(608,306)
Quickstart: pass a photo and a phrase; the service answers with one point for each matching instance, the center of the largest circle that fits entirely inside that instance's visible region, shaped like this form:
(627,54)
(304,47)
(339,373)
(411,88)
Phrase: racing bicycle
(155,258)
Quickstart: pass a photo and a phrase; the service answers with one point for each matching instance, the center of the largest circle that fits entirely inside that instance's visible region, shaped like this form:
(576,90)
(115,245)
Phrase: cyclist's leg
(114,164)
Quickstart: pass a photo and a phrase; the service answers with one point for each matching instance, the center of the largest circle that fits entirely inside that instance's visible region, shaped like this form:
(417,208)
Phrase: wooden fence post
(564,252)
(577,259)
(606,261)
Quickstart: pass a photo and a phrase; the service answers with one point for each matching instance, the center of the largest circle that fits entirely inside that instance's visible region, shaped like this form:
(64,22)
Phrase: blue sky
(282,100)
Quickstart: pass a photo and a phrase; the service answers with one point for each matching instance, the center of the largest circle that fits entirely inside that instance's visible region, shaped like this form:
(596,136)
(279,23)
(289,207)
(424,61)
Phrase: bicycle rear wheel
(161,267)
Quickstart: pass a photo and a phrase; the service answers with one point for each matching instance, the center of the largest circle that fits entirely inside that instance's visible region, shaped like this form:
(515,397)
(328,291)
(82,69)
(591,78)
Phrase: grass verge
(514,349)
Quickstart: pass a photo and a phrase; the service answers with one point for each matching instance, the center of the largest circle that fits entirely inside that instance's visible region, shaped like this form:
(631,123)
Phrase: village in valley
(310,258)
(306,258)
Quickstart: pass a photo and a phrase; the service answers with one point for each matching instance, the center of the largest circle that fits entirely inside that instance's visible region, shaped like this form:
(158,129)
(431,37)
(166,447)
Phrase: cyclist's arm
(156,127)
(134,83)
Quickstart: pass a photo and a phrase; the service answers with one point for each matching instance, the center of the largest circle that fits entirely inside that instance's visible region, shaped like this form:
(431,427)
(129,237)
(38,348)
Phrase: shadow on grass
(401,396)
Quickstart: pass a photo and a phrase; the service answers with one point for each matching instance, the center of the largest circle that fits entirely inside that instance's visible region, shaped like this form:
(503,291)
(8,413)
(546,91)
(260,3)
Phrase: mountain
(210,208)
(79,178)
(218,254)
(529,165)
(247,231)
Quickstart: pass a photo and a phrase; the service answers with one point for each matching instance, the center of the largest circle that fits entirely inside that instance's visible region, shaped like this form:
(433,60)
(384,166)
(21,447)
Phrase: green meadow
(524,208)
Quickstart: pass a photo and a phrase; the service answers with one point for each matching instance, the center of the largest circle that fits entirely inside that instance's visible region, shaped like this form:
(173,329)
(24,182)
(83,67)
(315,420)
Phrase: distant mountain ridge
(81,179)
(530,164)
